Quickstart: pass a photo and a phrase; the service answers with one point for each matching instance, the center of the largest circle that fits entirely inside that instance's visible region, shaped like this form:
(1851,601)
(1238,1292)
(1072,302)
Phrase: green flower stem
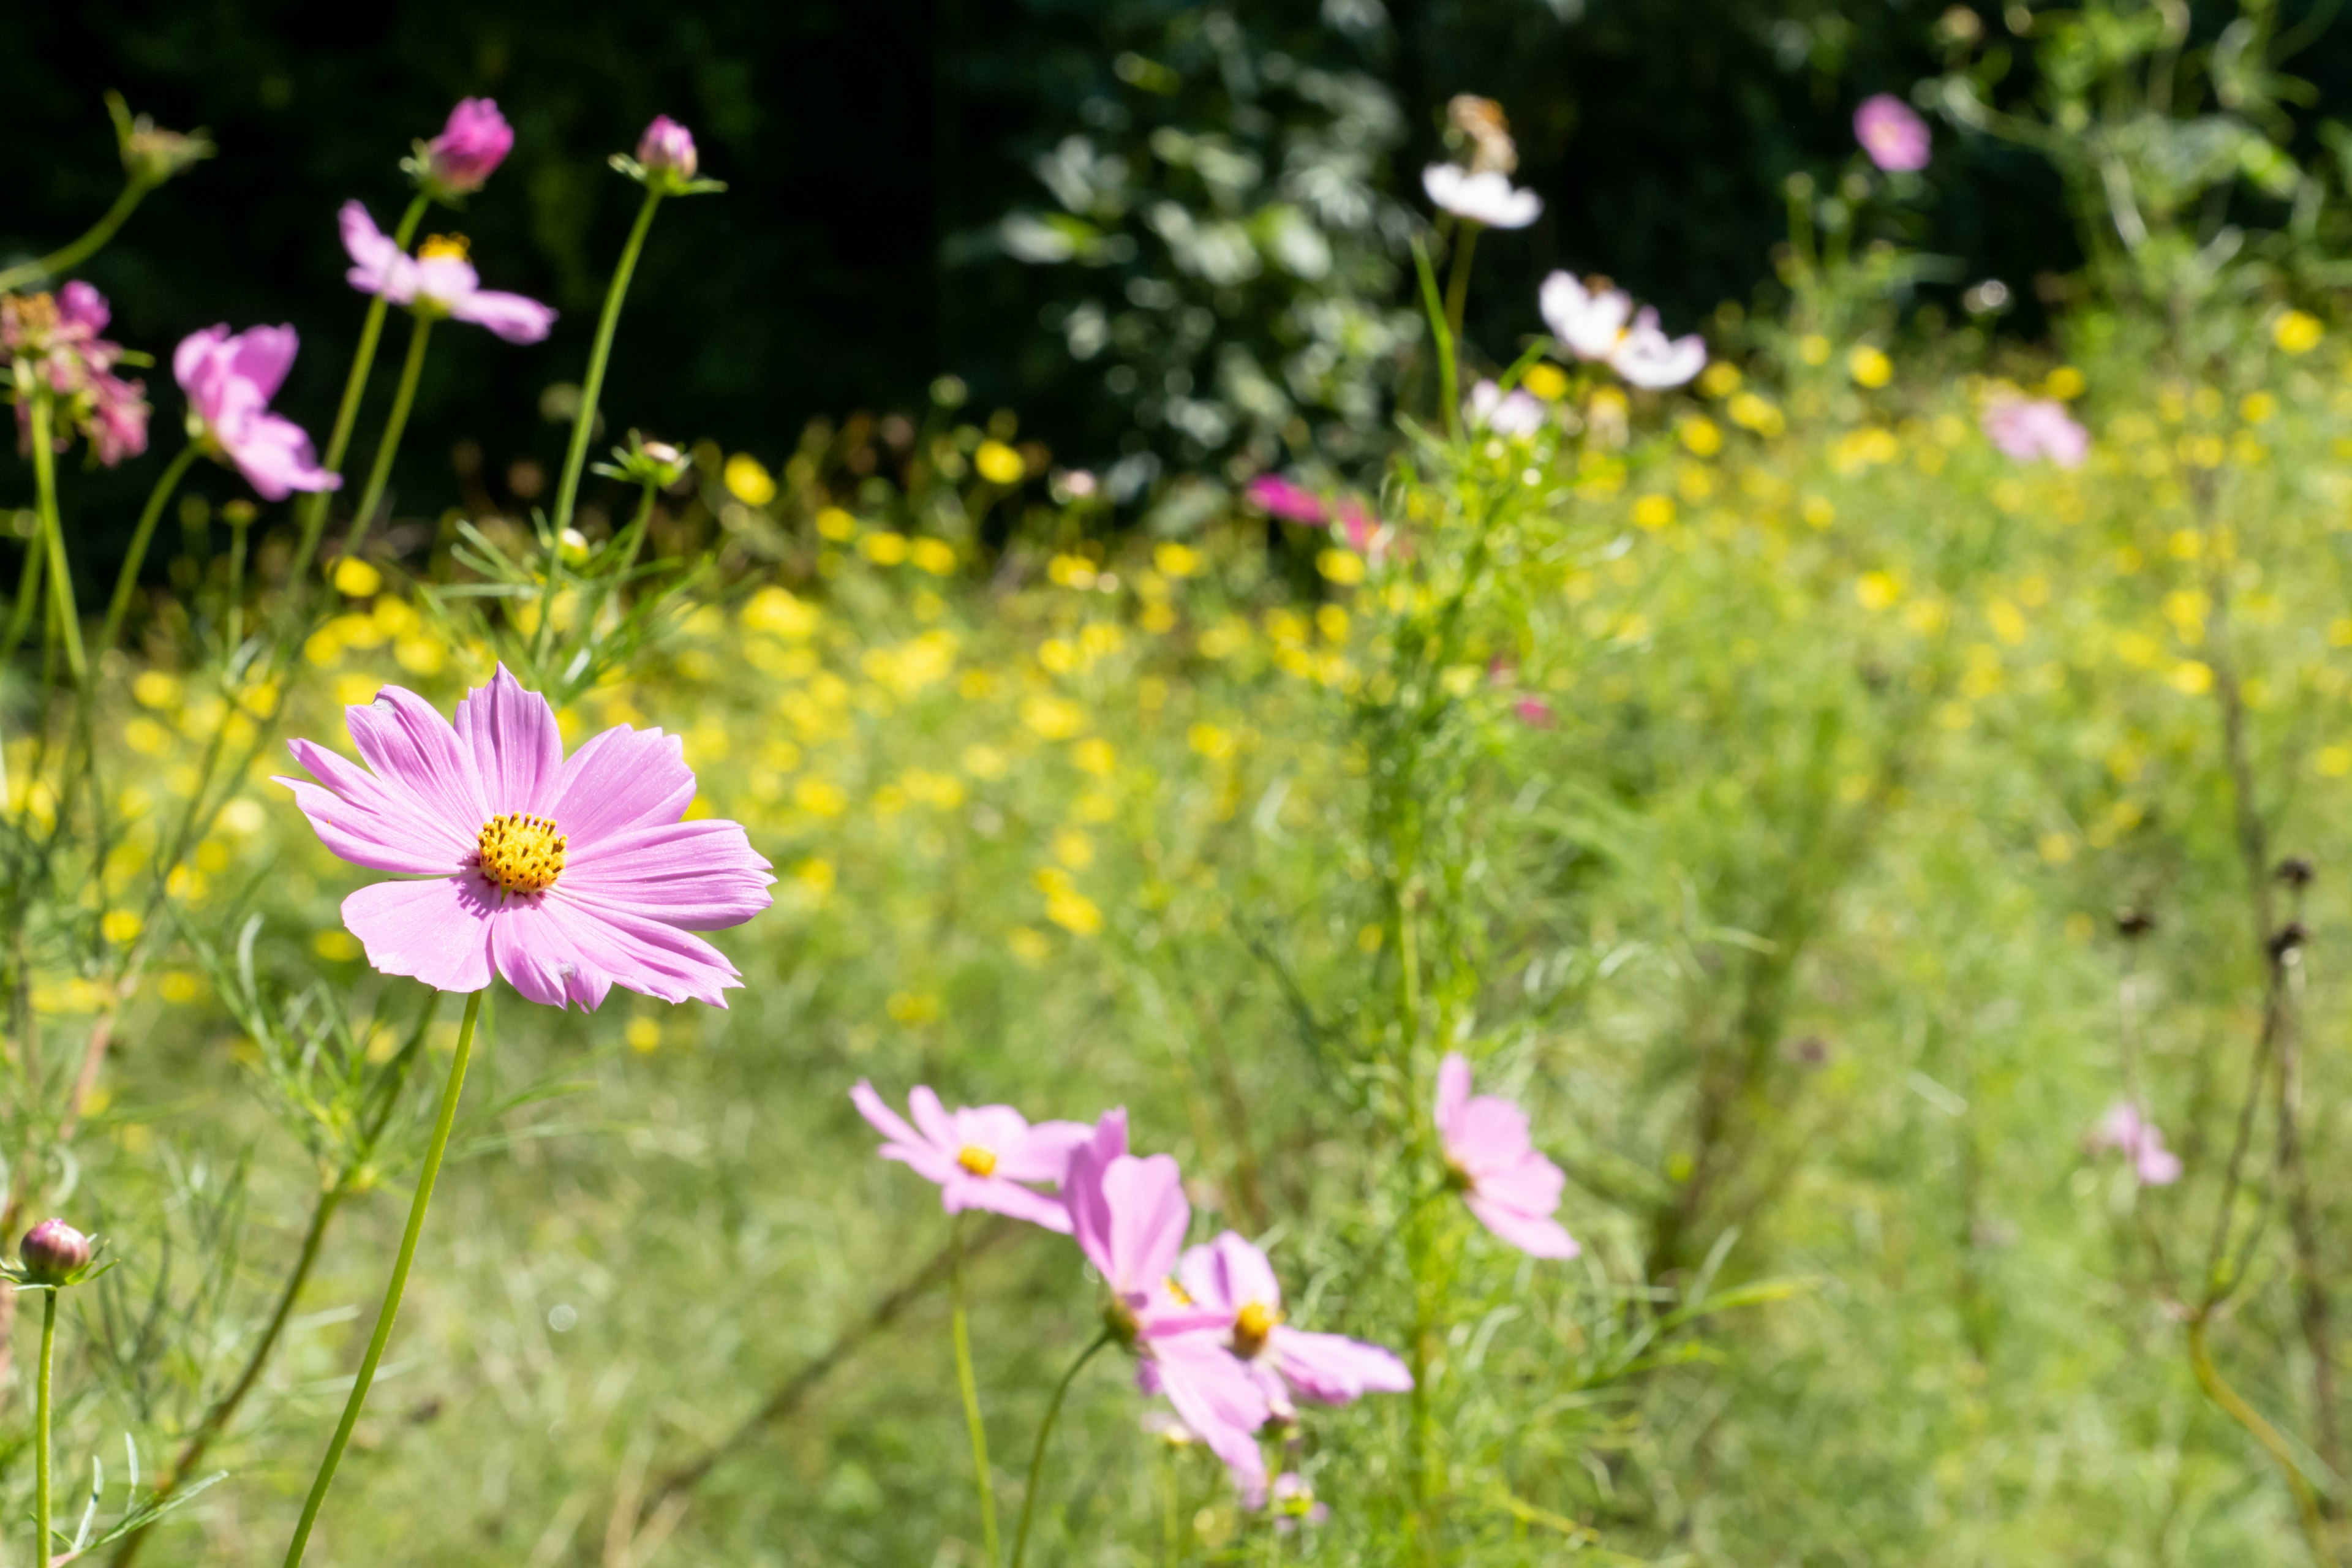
(442,1124)
(120,606)
(314,505)
(41,1538)
(28,589)
(380,472)
(1449,386)
(583,428)
(53,535)
(1457,282)
(971,1387)
(1038,1455)
(72,254)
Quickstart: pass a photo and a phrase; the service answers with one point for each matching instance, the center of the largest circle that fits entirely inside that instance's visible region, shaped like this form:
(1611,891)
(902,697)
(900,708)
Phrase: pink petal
(1332,1369)
(1082,1188)
(939,1128)
(1237,1273)
(260,356)
(1149,1215)
(437,932)
(1043,1153)
(1489,1134)
(1529,1183)
(641,955)
(701,876)
(964,1191)
(374,256)
(517,750)
(191,359)
(404,739)
(274,455)
(510,316)
(877,1112)
(1531,1233)
(621,778)
(1453,1093)
(995,1128)
(371,821)
(1217,1398)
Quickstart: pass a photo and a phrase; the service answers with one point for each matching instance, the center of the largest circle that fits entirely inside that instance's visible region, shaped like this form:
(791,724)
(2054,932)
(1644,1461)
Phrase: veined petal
(701,876)
(404,739)
(370,822)
(643,955)
(517,750)
(621,778)
(437,932)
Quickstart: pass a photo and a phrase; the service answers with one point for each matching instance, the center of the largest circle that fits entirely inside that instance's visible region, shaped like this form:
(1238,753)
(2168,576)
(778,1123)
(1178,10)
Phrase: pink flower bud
(667,148)
(470,147)
(52,1252)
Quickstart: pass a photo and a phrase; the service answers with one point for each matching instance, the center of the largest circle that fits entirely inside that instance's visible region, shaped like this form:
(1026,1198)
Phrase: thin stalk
(592,387)
(125,584)
(1037,1454)
(233,606)
(1171,1531)
(971,1387)
(2306,1502)
(41,1537)
(442,1125)
(28,590)
(1457,282)
(380,472)
(53,536)
(1449,384)
(66,258)
(314,505)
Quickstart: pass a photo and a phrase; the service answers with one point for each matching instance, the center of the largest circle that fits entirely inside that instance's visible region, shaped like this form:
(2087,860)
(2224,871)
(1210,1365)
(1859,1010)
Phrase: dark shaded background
(866,142)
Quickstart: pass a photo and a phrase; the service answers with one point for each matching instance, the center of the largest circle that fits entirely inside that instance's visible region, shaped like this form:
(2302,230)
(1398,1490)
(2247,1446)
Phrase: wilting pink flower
(471,146)
(1285,499)
(667,148)
(1589,322)
(229,380)
(2124,1130)
(566,875)
(1232,1278)
(1509,1186)
(2026,428)
(1294,1503)
(1504,413)
(436,281)
(1487,196)
(1895,137)
(979,1155)
(56,337)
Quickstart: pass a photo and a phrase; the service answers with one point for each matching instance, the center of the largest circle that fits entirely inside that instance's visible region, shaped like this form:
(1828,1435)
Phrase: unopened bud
(471,146)
(53,1252)
(667,148)
(150,156)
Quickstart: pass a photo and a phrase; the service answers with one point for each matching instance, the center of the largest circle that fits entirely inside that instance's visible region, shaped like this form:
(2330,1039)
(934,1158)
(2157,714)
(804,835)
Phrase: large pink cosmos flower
(2026,428)
(436,281)
(1509,1186)
(1895,137)
(566,875)
(1232,1278)
(2124,1130)
(981,1157)
(1129,1217)
(471,146)
(229,380)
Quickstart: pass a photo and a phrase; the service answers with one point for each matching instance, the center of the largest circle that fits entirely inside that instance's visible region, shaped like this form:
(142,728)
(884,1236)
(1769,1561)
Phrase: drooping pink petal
(262,356)
(1534,1235)
(436,931)
(877,1112)
(1043,1154)
(960,1190)
(1332,1369)
(274,455)
(698,876)
(1082,1184)
(511,736)
(622,778)
(1149,1215)
(1217,1398)
(508,316)
(376,257)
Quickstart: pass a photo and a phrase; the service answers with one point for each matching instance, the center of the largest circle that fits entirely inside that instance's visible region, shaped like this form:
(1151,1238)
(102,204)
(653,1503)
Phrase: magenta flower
(566,875)
(1286,499)
(1509,1186)
(56,338)
(1232,1278)
(980,1156)
(471,146)
(667,148)
(2124,1130)
(2027,428)
(436,281)
(1895,137)
(229,381)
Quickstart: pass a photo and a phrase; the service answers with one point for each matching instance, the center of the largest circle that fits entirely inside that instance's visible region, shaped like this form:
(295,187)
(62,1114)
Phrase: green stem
(1457,284)
(52,534)
(380,472)
(28,590)
(971,1387)
(41,1538)
(583,428)
(71,255)
(233,608)
(314,505)
(442,1124)
(1038,1455)
(2306,1502)
(1449,386)
(120,606)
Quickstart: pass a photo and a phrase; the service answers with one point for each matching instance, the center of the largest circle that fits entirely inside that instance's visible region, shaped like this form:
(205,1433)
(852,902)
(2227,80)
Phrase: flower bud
(53,1252)
(471,146)
(667,148)
(150,156)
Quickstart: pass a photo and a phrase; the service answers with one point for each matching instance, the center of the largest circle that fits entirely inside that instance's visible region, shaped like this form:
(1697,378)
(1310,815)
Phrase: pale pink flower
(1285,499)
(981,1157)
(1486,197)
(1511,1188)
(472,145)
(229,380)
(1588,321)
(1895,137)
(436,281)
(1646,357)
(1504,413)
(667,148)
(2123,1130)
(566,875)
(2027,428)
(1232,1278)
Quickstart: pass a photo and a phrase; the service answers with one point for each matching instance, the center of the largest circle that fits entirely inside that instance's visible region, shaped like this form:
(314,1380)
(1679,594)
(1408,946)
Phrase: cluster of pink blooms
(1598,323)
(2124,1130)
(2029,428)
(1206,1323)
(53,342)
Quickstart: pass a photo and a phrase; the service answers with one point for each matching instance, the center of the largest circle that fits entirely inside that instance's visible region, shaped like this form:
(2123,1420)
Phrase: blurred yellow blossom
(1074,849)
(816,877)
(1028,944)
(1344,567)
(643,1034)
(1054,717)
(1720,379)
(1655,511)
(1094,756)
(1550,383)
(335,945)
(1869,365)
(120,927)
(835,524)
(154,689)
(1813,349)
(884,547)
(780,612)
(355,578)
(2064,384)
(748,480)
(1064,905)
(1876,590)
(911,1007)
(1176,560)
(2192,677)
(1817,511)
(1215,743)
(820,798)
(2297,332)
(936,556)
(998,463)
(1701,435)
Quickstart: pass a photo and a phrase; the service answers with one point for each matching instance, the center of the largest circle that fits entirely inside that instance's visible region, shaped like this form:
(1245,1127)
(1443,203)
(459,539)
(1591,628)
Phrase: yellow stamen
(1184,1297)
(521,854)
(443,248)
(980,1162)
(1251,1326)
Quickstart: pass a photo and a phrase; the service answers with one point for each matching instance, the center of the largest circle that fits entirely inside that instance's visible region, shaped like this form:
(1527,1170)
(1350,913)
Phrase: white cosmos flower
(1647,357)
(1488,197)
(1589,322)
(1505,414)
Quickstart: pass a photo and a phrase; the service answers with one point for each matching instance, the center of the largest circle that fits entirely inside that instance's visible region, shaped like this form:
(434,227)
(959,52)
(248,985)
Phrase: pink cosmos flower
(1285,499)
(2026,428)
(1232,1278)
(56,337)
(1486,197)
(1895,137)
(1509,1186)
(2124,1130)
(229,381)
(1595,322)
(667,148)
(566,875)
(471,146)
(981,1157)
(1504,413)
(436,281)
(1648,358)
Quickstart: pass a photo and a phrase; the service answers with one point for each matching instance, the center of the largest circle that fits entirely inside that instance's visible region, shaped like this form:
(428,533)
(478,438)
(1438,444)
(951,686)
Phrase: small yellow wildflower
(1655,511)
(2064,384)
(835,524)
(1720,379)
(816,877)
(336,946)
(748,480)
(1702,436)
(936,556)
(1813,349)
(1344,567)
(355,578)
(998,463)
(1548,383)
(2298,332)
(1876,590)
(154,689)
(644,1034)
(1869,365)
(1074,849)
(1176,560)
(884,547)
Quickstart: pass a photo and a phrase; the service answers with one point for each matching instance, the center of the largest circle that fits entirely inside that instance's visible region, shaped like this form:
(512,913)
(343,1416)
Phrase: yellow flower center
(1252,1324)
(521,854)
(980,1162)
(443,248)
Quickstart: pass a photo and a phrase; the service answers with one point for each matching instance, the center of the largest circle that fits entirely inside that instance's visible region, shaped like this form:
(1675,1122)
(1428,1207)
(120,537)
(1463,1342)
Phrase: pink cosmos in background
(1511,1188)
(2027,428)
(1294,1503)
(1232,1278)
(58,337)
(472,145)
(667,148)
(229,380)
(2124,1130)
(1895,137)
(1648,358)
(566,875)
(436,281)
(1598,323)
(1504,413)
(1487,196)
(1285,499)
(981,1157)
